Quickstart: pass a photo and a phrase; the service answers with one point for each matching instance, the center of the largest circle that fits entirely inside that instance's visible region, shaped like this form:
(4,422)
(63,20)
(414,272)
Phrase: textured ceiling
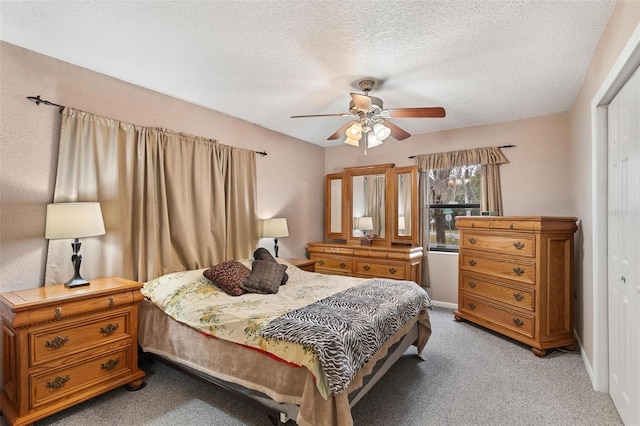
(483,61)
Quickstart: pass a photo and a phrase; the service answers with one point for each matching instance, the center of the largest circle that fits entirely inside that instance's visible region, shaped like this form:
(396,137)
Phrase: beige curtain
(170,201)
(490,158)
(375,194)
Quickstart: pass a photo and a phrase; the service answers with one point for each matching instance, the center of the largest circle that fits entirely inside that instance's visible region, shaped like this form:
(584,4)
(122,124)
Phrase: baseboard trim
(447,305)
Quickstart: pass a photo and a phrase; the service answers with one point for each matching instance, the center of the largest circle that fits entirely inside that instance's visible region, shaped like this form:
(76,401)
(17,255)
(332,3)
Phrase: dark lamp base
(76,282)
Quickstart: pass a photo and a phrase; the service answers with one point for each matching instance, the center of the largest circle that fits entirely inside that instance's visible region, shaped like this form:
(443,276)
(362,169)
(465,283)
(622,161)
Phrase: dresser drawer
(382,269)
(63,310)
(518,322)
(52,385)
(51,343)
(511,269)
(337,265)
(520,245)
(523,298)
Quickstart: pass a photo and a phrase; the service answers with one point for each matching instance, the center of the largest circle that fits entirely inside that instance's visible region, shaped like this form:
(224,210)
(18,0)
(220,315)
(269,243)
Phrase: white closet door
(624,251)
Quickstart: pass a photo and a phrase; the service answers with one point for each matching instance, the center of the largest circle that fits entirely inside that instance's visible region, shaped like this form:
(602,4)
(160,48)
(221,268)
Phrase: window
(452,192)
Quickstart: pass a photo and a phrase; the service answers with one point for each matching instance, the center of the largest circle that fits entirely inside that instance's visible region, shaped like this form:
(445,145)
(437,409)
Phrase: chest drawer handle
(321,262)
(472,262)
(393,270)
(518,271)
(472,306)
(518,322)
(109,329)
(57,342)
(518,245)
(473,240)
(472,284)
(366,267)
(343,265)
(58,313)
(518,296)
(110,365)
(58,382)
(112,302)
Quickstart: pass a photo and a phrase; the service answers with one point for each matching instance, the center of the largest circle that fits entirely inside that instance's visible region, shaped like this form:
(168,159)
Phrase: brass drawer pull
(518,271)
(58,313)
(110,365)
(57,342)
(518,322)
(393,270)
(472,306)
(112,302)
(58,382)
(472,262)
(366,267)
(472,284)
(343,265)
(518,296)
(473,240)
(518,245)
(321,262)
(109,329)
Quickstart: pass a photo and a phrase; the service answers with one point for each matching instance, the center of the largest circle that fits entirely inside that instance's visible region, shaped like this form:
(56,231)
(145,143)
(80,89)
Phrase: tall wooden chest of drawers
(516,278)
(396,262)
(62,346)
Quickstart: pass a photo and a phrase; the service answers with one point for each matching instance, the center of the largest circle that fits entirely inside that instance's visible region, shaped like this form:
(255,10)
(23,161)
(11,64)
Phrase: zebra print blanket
(348,328)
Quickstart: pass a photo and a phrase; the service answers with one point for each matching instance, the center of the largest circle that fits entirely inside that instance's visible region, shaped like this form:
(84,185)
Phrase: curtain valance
(465,157)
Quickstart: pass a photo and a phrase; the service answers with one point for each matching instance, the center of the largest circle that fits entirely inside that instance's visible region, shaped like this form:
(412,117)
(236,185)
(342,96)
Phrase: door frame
(625,65)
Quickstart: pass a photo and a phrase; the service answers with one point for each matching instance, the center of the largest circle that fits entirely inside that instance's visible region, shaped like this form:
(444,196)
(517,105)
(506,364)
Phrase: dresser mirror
(334,212)
(374,203)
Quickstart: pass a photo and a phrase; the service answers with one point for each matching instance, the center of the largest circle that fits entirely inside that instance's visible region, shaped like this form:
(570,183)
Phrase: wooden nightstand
(304,264)
(63,346)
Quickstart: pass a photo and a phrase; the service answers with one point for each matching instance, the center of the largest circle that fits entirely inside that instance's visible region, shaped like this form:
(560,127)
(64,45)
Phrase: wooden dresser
(397,262)
(63,346)
(515,277)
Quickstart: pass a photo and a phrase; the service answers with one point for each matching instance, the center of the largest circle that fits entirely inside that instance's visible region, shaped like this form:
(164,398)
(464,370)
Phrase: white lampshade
(372,141)
(382,132)
(365,223)
(274,228)
(354,131)
(73,220)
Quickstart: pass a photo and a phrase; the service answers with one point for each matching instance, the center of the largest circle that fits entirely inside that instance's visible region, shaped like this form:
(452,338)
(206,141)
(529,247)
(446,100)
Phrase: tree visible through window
(452,192)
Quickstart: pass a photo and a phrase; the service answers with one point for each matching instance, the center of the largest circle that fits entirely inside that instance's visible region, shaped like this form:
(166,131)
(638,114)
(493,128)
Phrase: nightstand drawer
(63,310)
(49,343)
(57,384)
(520,245)
(520,323)
(394,270)
(518,297)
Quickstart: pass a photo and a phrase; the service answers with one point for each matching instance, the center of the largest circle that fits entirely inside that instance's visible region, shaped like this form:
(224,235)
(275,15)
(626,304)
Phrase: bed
(272,349)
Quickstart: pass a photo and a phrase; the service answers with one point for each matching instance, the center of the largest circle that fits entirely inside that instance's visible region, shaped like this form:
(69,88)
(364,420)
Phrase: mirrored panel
(404,203)
(334,227)
(335,214)
(369,206)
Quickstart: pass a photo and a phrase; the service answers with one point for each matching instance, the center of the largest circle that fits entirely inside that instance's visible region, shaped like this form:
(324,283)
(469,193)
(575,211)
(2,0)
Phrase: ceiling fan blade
(344,114)
(396,132)
(426,112)
(340,131)
(363,102)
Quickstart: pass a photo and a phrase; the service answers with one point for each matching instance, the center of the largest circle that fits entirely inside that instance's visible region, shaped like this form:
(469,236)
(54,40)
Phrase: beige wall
(622,23)
(290,177)
(535,182)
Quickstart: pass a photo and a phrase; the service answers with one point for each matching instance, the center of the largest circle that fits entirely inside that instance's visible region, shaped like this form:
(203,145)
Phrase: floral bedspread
(188,297)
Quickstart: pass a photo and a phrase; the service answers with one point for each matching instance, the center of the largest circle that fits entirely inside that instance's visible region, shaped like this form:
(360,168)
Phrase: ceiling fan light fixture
(372,140)
(381,131)
(354,131)
(352,142)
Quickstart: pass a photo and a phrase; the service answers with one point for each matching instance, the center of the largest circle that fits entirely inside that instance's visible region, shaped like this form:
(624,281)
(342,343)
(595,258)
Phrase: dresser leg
(539,352)
(457,318)
(136,385)
(570,348)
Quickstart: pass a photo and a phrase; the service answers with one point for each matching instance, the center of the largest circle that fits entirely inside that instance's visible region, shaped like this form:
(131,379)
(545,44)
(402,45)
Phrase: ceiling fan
(371,119)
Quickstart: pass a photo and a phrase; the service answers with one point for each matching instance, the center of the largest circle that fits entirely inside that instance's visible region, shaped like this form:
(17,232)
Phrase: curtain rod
(503,146)
(39,101)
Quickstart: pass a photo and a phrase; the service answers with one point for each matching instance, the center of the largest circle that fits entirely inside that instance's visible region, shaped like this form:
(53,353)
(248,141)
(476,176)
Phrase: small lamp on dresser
(74,221)
(274,228)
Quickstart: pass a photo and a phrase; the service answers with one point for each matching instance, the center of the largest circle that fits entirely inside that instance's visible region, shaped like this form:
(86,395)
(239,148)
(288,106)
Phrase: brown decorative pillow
(263,254)
(228,276)
(265,277)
